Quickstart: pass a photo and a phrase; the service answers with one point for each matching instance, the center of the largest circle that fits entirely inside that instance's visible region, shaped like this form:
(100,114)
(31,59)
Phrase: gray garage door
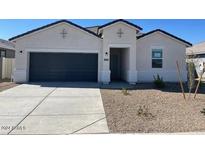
(63,67)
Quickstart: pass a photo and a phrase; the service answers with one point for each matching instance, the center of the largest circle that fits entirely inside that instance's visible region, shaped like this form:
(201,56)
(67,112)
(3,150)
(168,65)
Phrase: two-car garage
(61,52)
(63,66)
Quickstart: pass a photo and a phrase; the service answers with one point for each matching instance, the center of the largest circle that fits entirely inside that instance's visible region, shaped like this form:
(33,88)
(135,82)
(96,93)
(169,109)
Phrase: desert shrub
(203,111)
(144,112)
(125,91)
(158,81)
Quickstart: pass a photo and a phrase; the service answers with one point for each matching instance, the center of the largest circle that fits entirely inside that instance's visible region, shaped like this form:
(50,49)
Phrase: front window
(157,58)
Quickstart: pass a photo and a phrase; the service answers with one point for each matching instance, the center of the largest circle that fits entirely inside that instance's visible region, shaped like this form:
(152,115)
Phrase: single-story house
(64,51)
(7,53)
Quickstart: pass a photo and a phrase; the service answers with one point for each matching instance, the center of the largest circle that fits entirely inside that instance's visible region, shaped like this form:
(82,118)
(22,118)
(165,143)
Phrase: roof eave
(120,20)
(52,24)
(188,44)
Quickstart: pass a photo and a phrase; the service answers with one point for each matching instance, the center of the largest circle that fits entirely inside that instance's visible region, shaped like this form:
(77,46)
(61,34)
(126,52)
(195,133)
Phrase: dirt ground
(4,85)
(149,110)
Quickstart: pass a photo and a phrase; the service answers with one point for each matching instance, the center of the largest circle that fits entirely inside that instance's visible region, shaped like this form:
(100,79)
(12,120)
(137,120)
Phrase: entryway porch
(119,64)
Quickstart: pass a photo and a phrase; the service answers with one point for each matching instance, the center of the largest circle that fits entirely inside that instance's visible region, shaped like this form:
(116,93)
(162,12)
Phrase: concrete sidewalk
(52,108)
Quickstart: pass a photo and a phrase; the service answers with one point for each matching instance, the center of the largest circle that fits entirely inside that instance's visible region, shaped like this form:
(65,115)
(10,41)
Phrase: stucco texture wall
(51,40)
(138,67)
(127,40)
(173,50)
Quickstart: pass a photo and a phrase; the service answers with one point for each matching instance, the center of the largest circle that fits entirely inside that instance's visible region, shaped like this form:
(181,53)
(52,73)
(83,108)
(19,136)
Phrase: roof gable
(52,24)
(166,33)
(120,20)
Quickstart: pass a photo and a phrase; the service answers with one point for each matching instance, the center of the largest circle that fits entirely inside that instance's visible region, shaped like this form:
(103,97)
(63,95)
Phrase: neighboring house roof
(54,23)
(120,20)
(197,49)
(6,45)
(162,31)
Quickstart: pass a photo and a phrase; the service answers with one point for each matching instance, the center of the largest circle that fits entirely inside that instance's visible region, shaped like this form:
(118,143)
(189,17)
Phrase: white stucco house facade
(64,51)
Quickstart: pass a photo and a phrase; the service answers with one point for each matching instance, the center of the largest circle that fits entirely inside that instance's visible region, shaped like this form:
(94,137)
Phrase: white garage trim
(57,50)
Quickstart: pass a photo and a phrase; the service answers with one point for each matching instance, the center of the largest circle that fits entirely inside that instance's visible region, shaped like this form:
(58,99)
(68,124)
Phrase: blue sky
(190,30)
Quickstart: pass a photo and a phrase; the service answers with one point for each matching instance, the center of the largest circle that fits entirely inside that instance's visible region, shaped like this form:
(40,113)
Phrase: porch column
(132,73)
(105,73)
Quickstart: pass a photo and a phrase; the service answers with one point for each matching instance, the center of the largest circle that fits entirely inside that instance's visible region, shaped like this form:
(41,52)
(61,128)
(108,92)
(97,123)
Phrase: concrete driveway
(52,108)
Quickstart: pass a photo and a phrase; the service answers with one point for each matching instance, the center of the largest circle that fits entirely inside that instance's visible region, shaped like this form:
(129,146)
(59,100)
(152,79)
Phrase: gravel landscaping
(145,109)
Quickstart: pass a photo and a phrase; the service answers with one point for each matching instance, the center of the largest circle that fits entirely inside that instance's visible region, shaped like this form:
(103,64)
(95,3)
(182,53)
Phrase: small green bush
(158,81)
(125,91)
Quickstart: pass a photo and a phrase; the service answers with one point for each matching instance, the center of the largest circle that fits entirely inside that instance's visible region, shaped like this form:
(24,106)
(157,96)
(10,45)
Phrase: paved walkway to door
(52,108)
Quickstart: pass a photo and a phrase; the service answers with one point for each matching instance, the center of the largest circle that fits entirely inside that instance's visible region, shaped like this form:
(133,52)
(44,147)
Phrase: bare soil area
(4,85)
(148,110)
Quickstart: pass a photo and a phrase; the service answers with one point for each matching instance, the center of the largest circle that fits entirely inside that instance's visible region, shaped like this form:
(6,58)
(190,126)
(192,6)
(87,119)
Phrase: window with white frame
(157,58)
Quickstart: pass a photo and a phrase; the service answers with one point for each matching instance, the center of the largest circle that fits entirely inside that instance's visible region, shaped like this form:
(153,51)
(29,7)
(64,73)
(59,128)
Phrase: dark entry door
(63,67)
(115,66)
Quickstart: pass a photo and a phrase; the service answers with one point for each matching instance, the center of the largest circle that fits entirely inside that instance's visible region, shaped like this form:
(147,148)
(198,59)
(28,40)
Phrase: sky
(192,31)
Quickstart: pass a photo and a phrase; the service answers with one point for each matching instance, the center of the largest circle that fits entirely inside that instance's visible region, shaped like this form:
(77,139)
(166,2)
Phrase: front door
(115,66)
